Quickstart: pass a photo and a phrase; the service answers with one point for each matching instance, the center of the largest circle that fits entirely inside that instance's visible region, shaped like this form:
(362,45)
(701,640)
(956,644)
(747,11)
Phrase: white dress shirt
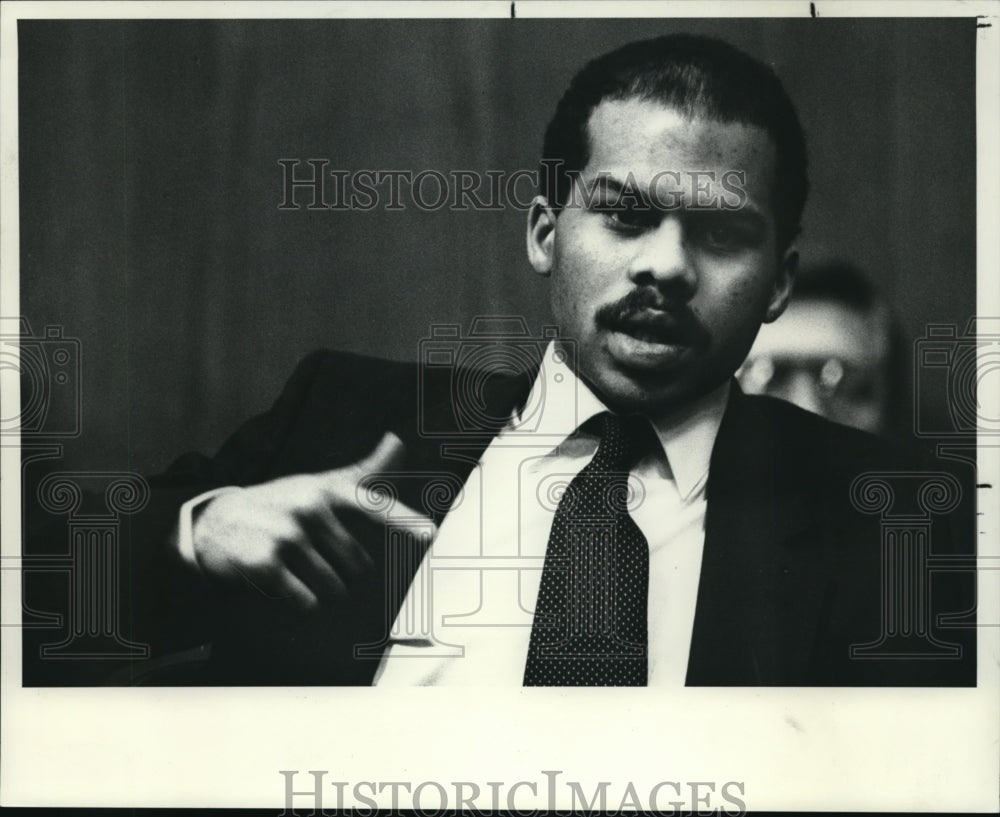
(466,619)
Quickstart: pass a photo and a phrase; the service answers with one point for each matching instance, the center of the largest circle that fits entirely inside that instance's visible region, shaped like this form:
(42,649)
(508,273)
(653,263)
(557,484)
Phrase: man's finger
(317,574)
(280,584)
(387,455)
(336,544)
(385,510)
(373,503)
(340,483)
(298,593)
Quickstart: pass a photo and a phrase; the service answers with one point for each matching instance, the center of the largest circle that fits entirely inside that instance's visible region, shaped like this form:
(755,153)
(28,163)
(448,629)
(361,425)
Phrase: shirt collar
(560,402)
(688,436)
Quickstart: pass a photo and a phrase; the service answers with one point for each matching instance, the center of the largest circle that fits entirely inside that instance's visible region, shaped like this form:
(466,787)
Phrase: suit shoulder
(326,374)
(334,409)
(809,435)
(324,363)
(341,384)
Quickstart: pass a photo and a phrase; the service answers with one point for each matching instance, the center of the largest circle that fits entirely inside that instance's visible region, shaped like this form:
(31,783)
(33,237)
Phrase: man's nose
(662,258)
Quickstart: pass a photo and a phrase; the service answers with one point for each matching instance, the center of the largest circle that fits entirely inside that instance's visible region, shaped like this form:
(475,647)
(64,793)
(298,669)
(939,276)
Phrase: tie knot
(624,440)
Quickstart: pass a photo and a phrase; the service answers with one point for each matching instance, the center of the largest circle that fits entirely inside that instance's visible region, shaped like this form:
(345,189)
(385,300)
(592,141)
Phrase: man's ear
(541,235)
(784,281)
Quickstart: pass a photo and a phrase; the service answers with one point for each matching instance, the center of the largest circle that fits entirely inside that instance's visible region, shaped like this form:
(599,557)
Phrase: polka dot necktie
(590,620)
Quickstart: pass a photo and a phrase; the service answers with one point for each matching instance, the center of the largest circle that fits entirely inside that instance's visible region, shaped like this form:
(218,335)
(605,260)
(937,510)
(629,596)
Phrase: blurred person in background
(837,351)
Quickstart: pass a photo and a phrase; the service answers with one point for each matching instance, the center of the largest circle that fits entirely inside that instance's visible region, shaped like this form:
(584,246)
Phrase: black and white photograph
(353,352)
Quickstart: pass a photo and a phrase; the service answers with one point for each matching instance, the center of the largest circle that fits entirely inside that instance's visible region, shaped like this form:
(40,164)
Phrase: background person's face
(663,304)
(826,358)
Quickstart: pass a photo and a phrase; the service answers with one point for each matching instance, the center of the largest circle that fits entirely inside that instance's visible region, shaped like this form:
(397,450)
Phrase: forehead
(644,137)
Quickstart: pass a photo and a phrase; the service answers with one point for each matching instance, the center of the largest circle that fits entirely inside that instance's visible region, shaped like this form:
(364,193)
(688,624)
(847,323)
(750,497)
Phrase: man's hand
(287,538)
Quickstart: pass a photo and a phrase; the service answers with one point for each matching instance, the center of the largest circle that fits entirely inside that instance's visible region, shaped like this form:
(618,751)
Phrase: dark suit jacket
(791,575)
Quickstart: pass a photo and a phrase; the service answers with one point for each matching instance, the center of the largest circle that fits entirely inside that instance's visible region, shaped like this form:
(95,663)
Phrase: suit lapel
(457,424)
(443,441)
(763,568)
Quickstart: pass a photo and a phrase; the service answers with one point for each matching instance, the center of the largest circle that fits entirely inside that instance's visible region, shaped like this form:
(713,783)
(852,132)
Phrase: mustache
(647,312)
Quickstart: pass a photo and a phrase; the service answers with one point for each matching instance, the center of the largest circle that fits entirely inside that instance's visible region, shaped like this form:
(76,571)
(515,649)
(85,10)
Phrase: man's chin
(641,390)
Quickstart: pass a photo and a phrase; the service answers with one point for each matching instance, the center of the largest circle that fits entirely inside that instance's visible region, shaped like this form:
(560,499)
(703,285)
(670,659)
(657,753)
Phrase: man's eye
(719,236)
(630,218)
(723,234)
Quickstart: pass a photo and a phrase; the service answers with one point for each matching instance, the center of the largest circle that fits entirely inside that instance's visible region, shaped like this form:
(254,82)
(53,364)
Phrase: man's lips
(646,332)
(642,336)
(639,352)
(652,326)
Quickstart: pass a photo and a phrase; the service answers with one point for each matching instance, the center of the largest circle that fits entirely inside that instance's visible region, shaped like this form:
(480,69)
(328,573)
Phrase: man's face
(663,301)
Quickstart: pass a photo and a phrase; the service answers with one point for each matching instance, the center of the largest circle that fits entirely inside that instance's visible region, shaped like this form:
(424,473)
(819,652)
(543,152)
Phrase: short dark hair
(699,76)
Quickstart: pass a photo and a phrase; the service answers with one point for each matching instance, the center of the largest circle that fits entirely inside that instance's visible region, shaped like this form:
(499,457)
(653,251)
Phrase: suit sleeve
(176,607)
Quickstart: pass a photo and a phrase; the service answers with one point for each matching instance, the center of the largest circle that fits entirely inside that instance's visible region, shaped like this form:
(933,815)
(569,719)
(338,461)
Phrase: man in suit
(746,551)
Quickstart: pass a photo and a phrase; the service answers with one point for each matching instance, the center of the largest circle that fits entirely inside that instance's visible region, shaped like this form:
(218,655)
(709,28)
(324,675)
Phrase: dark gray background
(150,187)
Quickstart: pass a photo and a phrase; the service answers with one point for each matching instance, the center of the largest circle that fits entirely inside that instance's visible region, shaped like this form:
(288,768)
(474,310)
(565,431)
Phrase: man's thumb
(387,455)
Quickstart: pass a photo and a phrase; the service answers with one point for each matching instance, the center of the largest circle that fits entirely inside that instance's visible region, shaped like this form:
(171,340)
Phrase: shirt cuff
(188,515)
